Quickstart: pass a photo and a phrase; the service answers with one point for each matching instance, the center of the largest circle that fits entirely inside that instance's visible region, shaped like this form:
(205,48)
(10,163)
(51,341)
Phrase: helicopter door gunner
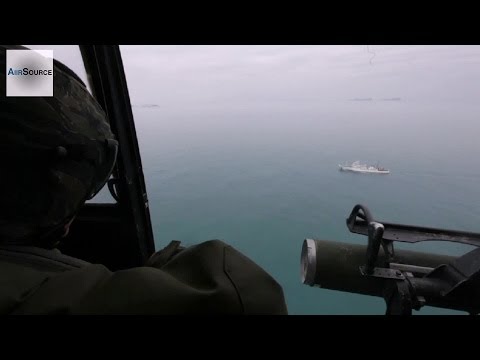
(58,152)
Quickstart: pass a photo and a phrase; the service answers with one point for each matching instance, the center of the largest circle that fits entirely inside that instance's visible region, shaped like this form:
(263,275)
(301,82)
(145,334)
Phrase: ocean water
(244,146)
(265,177)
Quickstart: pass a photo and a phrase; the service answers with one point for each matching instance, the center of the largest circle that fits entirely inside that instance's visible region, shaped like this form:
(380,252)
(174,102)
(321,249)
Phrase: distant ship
(362,168)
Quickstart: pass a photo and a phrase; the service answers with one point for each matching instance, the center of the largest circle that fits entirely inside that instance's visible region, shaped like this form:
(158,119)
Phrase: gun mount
(407,280)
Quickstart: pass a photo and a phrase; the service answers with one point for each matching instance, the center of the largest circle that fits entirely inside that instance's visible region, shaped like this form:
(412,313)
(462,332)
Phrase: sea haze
(242,143)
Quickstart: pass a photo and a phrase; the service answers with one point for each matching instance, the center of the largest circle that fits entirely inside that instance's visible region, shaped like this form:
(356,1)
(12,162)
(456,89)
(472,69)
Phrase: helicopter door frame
(122,232)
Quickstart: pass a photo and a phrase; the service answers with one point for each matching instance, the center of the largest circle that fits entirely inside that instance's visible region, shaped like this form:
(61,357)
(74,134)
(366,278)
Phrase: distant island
(361,99)
(371,99)
(146,106)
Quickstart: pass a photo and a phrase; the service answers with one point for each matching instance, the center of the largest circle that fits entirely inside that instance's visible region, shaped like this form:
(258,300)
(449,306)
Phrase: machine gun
(407,280)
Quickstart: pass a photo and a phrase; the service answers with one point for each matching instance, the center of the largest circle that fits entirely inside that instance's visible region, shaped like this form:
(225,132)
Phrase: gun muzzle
(336,266)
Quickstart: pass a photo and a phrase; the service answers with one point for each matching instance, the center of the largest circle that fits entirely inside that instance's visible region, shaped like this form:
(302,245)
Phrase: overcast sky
(195,75)
(173,76)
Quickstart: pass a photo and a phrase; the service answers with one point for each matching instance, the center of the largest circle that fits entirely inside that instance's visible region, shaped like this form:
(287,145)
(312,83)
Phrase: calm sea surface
(264,180)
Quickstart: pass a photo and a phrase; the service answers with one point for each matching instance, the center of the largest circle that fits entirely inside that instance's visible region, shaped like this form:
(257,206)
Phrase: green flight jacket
(208,278)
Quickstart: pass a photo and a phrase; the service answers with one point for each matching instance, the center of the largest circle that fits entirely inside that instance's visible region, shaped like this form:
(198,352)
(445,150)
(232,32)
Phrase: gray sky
(236,76)
(173,76)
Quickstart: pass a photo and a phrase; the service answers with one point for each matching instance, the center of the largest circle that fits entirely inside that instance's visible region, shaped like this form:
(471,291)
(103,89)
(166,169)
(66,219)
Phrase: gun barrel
(336,266)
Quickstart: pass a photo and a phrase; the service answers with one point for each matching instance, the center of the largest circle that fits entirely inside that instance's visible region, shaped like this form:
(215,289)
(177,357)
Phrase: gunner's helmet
(56,153)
